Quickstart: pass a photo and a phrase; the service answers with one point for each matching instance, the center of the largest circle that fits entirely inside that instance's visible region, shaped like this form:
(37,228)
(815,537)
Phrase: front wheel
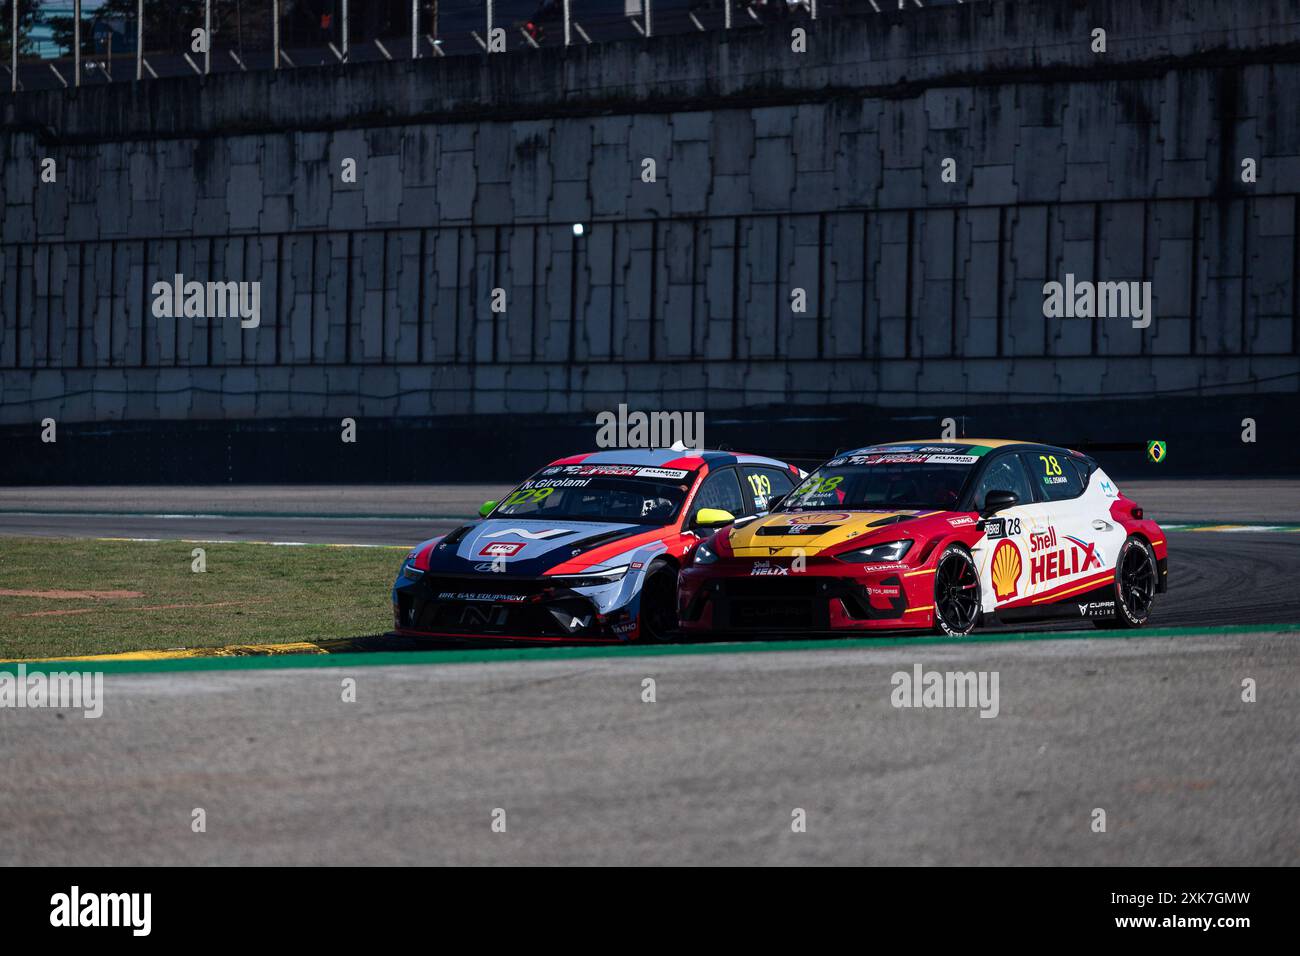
(1135,585)
(956,592)
(659,604)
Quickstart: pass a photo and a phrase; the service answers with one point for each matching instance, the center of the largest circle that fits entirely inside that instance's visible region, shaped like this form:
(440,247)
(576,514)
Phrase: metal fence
(64,43)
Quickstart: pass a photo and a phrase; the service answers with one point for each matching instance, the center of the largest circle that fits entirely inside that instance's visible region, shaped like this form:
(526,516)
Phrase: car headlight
(591,579)
(704,554)
(411,572)
(877,553)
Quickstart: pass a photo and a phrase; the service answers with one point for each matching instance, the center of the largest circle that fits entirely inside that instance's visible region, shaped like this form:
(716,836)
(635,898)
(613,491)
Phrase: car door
(1075,554)
(1001,557)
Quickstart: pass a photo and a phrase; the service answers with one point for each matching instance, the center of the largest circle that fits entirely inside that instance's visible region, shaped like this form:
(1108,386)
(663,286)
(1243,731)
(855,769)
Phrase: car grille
(776,586)
(505,606)
(485,585)
(772,603)
(764,614)
(790,602)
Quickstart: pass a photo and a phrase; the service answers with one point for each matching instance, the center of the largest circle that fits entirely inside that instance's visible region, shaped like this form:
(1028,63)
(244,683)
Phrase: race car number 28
(1001,527)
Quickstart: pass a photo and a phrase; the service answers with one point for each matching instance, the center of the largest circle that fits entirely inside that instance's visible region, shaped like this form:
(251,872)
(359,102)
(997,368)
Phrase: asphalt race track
(387,515)
(1152,729)
(370,530)
(405,514)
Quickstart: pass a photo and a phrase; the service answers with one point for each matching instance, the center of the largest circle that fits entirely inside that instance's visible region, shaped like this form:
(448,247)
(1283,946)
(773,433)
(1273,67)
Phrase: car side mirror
(996,501)
(775,503)
(712,518)
(486,509)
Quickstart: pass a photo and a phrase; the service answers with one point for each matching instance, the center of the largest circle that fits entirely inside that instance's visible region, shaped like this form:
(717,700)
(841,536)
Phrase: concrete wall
(776,170)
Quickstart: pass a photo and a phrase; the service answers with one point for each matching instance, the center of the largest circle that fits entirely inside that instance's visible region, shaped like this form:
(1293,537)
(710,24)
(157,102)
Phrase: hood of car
(523,547)
(811,532)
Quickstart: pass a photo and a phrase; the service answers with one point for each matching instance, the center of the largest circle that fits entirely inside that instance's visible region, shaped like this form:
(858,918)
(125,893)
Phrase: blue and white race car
(587,550)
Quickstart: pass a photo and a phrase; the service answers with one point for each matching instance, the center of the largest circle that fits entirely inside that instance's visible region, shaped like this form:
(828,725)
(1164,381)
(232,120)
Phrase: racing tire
(659,604)
(1135,586)
(957,599)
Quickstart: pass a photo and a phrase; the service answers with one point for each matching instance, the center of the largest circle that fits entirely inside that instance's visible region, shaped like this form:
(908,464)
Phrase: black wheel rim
(1137,582)
(658,617)
(956,593)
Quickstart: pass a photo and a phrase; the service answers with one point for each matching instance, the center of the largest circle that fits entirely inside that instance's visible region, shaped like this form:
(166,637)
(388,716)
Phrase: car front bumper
(727,598)
(508,609)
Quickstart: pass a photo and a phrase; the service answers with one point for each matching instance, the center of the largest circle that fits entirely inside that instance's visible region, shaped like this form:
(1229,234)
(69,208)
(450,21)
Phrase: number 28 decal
(823,486)
(996,528)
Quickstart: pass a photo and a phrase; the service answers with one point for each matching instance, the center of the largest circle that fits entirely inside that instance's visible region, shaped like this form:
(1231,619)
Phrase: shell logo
(1006,570)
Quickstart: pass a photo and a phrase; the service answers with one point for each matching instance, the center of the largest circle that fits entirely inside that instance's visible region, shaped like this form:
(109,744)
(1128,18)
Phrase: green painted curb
(484,656)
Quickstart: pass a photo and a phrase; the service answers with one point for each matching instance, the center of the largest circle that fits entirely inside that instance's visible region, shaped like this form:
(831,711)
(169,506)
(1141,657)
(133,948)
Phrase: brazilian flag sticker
(1156,451)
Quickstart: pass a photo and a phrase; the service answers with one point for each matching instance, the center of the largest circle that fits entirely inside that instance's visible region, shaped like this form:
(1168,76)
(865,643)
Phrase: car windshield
(906,481)
(620,493)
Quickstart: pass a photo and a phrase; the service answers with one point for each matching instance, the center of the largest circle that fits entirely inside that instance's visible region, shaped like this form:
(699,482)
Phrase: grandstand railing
(67,43)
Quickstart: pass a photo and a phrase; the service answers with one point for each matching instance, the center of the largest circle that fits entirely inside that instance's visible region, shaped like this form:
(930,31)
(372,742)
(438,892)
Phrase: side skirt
(1097,603)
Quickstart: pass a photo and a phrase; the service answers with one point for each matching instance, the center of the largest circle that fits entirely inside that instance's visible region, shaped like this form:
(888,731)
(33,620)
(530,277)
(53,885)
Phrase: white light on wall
(578,229)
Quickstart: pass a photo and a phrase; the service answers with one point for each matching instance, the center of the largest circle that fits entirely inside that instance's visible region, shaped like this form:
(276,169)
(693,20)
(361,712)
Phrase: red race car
(932,535)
